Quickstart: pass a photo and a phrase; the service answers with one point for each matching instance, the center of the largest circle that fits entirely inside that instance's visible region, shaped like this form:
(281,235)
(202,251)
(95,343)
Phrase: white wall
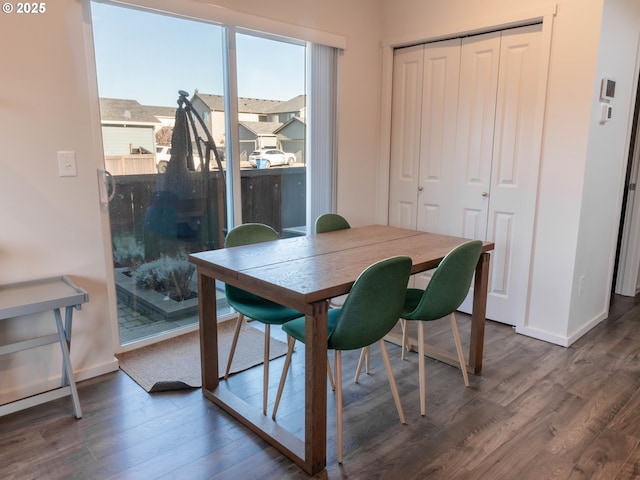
(608,148)
(50,225)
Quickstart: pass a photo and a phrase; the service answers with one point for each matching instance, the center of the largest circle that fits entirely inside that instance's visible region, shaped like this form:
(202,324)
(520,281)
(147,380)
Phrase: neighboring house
(255,135)
(259,120)
(285,111)
(211,109)
(127,125)
(291,137)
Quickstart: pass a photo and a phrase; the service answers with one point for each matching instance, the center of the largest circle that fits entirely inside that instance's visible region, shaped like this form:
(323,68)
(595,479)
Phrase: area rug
(174,364)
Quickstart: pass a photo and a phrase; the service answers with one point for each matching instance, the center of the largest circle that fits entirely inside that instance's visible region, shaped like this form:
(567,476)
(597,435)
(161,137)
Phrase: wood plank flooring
(538,411)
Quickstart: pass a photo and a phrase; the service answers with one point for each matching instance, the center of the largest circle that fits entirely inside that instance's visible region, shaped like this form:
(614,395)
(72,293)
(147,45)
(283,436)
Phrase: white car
(271,157)
(163,155)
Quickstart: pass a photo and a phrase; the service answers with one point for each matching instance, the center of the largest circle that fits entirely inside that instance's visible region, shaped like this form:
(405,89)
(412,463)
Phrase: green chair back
(246,234)
(373,306)
(450,283)
(330,222)
(250,233)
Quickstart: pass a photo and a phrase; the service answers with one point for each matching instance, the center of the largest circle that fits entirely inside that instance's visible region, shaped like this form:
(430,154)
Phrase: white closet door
(480,60)
(512,200)
(438,134)
(423,132)
(406,119)
(485,187)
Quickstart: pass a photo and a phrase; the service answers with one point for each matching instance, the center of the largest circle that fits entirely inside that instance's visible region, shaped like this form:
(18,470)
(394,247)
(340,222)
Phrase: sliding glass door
(172,152)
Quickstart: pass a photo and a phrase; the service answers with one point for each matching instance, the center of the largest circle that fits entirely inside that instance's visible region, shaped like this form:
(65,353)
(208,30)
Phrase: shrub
(127,251)
(169,275)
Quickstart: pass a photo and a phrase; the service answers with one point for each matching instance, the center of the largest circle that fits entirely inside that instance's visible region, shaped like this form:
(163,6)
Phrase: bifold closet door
(514,172)
(425,93)
(465,151)
(496,160)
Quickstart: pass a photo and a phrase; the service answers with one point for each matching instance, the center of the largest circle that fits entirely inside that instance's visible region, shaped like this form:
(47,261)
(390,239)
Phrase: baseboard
(560,340)
(574,336)
(543,335)
(24,391)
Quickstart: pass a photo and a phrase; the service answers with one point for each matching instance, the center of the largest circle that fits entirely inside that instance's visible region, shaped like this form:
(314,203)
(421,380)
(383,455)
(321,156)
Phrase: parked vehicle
(271,157)
(163,155)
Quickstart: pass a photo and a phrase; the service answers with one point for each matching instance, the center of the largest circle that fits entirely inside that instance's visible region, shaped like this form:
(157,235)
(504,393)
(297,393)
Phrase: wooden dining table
(305,273)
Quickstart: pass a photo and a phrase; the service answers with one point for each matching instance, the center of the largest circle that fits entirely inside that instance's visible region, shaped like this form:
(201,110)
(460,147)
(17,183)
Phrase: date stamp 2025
(29,8)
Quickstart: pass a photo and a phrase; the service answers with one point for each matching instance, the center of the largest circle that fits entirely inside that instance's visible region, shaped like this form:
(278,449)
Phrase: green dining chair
(330,222)
(445,292)
(252,306)
(369,313)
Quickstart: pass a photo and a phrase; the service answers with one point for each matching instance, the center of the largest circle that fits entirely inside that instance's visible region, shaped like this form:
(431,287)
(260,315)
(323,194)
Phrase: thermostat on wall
(608,88)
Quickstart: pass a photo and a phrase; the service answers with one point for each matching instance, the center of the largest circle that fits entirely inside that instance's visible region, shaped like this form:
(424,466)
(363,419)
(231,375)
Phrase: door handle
(420,189)
(485,194)
(106,182)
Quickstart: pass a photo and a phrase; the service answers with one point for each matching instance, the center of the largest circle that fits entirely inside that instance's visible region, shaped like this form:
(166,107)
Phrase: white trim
(563,341)
(25,391)
(211,12)
(476,26)
(544,335)
(232,140)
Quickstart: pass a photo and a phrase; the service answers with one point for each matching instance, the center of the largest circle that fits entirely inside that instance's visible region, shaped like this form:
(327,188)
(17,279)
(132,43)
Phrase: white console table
(25,298)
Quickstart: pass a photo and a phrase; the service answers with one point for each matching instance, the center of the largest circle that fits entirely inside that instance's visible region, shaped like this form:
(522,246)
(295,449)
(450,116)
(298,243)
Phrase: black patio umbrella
(173,200)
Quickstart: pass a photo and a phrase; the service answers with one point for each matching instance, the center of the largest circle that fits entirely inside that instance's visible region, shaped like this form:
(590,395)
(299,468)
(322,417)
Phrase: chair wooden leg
(392,381)
(368,357)
(405,338)
(456,337)
(329,375)
(285,369)
(265,380)
(361,360)
(233,345)
(338,371)
(423,381)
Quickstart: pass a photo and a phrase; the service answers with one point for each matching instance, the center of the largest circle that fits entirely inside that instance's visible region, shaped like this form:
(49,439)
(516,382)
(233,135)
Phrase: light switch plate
(67,164)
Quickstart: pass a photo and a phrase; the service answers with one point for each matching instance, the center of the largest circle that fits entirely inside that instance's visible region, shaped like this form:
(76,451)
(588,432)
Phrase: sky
(149,57)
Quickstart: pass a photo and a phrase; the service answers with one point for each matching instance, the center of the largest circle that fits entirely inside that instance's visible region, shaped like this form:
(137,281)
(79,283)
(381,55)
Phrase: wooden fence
(130,164)
(195,217)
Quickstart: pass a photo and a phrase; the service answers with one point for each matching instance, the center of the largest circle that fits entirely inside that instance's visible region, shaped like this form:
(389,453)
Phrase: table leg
(316,387)
(476,342)
(310,455)
(208,332)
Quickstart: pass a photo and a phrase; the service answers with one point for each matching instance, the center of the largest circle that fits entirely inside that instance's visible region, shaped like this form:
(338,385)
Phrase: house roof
(296,104)
(245,105)
(261,128)
(169,112)
(125,111)
(286,124)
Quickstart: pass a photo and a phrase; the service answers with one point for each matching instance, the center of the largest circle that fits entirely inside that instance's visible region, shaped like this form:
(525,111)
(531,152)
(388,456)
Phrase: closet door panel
(479,65)
(406,120)
(438,134)
(514,173)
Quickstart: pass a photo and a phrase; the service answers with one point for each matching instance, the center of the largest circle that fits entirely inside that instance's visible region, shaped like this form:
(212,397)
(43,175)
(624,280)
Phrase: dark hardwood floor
(538,411)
